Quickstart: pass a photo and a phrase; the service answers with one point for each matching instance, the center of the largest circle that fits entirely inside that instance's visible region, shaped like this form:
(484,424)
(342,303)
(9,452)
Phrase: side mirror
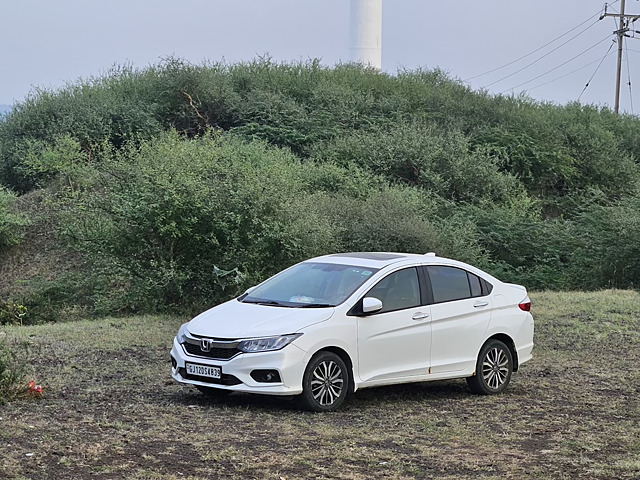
(371,304)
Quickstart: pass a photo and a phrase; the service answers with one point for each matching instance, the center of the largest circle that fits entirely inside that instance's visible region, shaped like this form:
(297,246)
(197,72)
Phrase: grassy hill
(111,410)
(148,179)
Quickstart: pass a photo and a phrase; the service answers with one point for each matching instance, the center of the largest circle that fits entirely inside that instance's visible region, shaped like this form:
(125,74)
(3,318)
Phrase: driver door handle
(480,304)
(420,316)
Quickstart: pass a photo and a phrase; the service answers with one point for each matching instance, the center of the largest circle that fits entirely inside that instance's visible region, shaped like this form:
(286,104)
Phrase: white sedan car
(331,325)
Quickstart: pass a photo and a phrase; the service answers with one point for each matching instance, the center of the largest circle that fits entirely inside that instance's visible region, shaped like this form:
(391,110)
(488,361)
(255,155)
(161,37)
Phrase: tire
(493,369)
(325,383)
(213,392)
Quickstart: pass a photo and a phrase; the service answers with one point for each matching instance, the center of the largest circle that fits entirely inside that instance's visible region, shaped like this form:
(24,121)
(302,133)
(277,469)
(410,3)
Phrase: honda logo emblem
(205,344)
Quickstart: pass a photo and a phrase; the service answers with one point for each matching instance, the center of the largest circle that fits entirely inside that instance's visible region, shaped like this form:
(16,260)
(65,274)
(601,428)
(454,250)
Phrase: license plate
(203,370)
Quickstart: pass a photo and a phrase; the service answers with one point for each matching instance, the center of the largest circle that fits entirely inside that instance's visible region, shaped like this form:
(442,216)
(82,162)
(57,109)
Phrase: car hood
(234,319)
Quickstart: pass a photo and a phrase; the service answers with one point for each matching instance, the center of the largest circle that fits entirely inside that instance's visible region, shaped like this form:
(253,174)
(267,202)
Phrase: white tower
(366,32)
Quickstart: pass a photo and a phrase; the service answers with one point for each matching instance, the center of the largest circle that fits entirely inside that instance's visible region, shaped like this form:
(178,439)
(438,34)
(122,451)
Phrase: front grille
(216,353)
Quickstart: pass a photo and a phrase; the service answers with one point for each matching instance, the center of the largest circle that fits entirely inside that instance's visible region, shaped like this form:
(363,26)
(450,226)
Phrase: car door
(460,316)
(395,341)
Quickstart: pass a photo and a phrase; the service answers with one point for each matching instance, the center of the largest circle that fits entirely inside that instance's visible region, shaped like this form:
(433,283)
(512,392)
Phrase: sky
(48,43)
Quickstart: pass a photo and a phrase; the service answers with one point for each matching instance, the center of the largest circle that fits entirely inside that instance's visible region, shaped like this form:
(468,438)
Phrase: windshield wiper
(271,303)
(315,305)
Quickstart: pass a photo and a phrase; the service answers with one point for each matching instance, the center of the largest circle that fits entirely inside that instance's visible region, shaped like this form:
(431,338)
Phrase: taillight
(525,307)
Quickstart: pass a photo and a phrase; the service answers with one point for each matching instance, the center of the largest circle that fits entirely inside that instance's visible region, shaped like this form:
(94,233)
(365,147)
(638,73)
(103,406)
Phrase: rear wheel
(493,369)
(325,383)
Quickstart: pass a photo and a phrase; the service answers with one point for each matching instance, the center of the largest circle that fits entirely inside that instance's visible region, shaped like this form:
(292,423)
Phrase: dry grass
(111,411)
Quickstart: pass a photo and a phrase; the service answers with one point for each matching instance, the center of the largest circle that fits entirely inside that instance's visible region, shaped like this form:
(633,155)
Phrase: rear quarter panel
(507,318)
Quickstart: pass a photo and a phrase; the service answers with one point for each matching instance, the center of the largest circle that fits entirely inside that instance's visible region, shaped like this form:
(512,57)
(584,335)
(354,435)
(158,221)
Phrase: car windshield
(310,285)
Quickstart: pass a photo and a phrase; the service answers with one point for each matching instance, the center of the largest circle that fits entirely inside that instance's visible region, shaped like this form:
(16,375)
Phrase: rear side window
(474,283)
(450,283)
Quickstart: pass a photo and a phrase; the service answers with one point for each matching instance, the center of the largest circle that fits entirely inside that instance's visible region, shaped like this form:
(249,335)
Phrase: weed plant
(12,372)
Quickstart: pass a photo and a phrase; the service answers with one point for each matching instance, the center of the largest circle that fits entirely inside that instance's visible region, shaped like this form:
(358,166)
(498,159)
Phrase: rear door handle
(480,304)
(420,316)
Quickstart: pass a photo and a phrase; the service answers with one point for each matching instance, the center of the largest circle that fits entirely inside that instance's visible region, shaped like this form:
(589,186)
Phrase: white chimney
(366,32)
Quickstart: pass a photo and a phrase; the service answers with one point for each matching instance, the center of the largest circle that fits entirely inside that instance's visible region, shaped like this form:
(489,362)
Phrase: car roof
(372,259)
(379,260)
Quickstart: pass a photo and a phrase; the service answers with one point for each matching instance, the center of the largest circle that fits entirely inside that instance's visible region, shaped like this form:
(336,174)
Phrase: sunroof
(370,255)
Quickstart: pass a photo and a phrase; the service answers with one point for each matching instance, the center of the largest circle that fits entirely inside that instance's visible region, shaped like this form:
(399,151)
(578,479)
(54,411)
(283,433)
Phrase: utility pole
(621,33)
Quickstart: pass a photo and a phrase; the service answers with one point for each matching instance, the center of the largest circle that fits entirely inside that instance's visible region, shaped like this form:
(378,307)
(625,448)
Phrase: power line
(559,66)
(596,71)
(571,72)
(629,77)
(536,50)
(544,56)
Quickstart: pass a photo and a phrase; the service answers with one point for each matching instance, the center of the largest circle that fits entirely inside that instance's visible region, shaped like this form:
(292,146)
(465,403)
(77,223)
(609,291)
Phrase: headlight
(182,333)
(267,344)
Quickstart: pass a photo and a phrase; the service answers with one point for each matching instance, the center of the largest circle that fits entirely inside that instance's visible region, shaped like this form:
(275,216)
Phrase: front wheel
(493,369)
(325,383)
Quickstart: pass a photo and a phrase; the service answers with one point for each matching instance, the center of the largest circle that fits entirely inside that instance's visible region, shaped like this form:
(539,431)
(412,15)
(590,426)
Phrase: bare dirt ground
(111,411)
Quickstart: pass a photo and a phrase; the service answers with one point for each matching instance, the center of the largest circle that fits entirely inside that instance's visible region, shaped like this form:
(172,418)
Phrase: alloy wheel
(327,383)
(495,368)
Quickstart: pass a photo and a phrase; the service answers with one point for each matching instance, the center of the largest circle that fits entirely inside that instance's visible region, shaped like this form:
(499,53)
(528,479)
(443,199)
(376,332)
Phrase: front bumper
(236,372)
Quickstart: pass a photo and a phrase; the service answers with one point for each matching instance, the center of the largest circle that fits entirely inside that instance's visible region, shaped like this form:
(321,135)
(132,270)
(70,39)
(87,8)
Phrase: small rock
(31,454)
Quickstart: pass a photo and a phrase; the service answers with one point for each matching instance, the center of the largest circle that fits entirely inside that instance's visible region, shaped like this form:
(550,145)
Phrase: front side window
(398,290)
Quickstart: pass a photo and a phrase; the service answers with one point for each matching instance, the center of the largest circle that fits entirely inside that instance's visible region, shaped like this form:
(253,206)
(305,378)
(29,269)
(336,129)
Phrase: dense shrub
(422,155)
(11,221)
(11,313)
(160,217)
(445,130)
(91,111)
(607,250)
(183,184)
(166,221)
(524,247)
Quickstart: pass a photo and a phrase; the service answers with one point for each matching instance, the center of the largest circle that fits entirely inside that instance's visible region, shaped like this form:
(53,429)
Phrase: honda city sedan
(328,326)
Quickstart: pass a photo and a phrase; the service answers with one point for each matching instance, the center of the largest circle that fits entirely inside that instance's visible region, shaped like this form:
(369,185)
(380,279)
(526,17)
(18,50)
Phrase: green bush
(422,155)
(399,219)
(114,108)
(68,295)
(417,126)
(175,222)
(176,174)
(524,247)
(41,162)
(161,217)
(607,253)
(11,313)
(11,221)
